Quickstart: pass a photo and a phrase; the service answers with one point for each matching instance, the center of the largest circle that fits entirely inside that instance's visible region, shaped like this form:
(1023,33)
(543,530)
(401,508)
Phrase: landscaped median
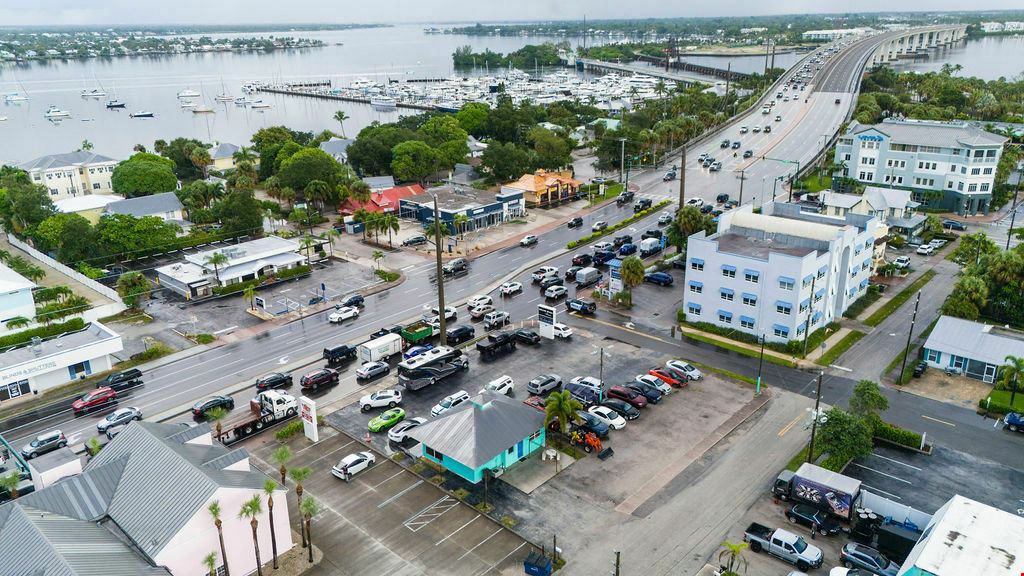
(751,351)
(898,300)
(616,227)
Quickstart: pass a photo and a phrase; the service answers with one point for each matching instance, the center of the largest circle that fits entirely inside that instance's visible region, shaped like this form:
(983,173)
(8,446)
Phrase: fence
(67,271)
(899,513)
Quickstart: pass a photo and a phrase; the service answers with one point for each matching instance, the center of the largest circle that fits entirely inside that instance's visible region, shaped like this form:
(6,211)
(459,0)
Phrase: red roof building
(382,201)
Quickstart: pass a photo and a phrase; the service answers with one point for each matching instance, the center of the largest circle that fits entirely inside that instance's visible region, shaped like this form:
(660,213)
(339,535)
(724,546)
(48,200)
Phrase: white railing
(66,270)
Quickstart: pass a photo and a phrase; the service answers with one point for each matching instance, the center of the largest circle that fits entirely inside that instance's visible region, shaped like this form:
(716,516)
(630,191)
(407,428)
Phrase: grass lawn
(726,373)
(811,184)
(1003,397)
(739,349)
(863,303)
(833,354)
(898,300)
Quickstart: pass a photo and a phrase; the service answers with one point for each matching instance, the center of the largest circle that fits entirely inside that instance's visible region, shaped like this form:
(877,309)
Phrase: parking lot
(387,520)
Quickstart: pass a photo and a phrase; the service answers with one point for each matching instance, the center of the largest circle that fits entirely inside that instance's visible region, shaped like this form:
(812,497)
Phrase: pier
(676,64)
(293,92)
(674,77)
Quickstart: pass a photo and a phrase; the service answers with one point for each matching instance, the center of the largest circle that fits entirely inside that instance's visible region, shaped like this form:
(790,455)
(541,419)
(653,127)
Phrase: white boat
(15,97)
(54,112)
(188,93)
(115,104)
(259,104)
(141,114)
(3,118)
(383,102)
(242,101)
(204,109)
(94,93)
(224,98)
(188,104)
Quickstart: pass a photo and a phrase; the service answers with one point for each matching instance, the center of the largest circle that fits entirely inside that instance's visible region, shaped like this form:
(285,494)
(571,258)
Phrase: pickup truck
(1014,422)
(783,545)
(495,344)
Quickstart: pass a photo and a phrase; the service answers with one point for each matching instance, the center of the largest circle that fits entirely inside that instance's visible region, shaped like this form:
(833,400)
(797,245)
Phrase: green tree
(240,213)
(179,151)
(144,174)
(319,193)
(688,221)
(216,259)
(133,288)
(51,234)
(214,510)
(371,153)
(299,475)
(932,227)
(460,220)
(269,486)
(340,116)
(507,161)
(9,484)
(85,145)
(389,223)
(307,243)
(308,509)
(971,248)
(210,562)
(867,400)
(377,257)
(281,456)
(968,298)
(844,436)
(472,117)
(551,150)
(252,509)
(1010,374)
(125,236)
(249,295)
(413,160)
(732,556)
(17,322)
(23,205)
(201,159)
(310,164)
(632,272)
(561,407)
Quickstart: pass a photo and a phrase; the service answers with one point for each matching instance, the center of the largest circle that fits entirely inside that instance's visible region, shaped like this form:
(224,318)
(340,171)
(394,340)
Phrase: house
(337,148)
(968,537)
(196,277)
(379,182)
(165,206)
(72,174)
(90,207)
(490,432)
(975,348)
(893,207)
(140,508)
(542,188)
(464,174)
(381,200)
(222,156)
(482,207)
(778,273)
(476,147)
(15,296)
(610,124)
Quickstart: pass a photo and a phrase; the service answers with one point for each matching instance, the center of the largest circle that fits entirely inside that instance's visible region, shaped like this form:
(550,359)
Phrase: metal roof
(70,159)
(829,198)
(974,340)
(925,133)
(336,146)
(83,497)
(151,205)
(380,182)
(223,150)
(477,431)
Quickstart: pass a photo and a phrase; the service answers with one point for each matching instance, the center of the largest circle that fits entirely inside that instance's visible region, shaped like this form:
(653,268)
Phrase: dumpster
(537,564)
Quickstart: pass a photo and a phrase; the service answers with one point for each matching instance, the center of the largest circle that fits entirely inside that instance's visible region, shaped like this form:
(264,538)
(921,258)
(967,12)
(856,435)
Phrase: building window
(949,185)
(729,272)
(751,277)
(975,171)
(724,318)
(96,186)
(433,453)
(746,323)
(696,288)
(750,300)
(972,187)
(785,284)
(991,153)
(535,435)
(984,187)
(697,265)
(783,308)
(693,309)
(929,149)
(781,332)
(726,294)
(960,186)
(819,295)
(987,171)
(952,168)
(846,157)
(933,356)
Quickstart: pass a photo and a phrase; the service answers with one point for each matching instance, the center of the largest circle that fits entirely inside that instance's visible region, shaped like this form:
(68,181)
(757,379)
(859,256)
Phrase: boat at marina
(94,93)
(15,97)
(224,97)
(188,104)
(242,101)
(188,93)
(259,104)
(141,114)
(115,104)
(3,118)
(204,109)
(54,112)
(383,102)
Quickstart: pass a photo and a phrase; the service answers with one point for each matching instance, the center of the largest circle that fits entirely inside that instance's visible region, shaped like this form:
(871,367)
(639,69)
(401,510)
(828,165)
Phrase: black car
(624,197)
(642,204)
(575,222)
(527,336)
(603,257)
(583,259)
(551,281)
(707,208)
(620,240)
(201,408)
(651,234)
(354,300)
(338,354)
(589,423)
(460,334)
(954,225)
(415,240)
(807,515)
(122,380)
(570,272)
(625,409)
(920,369)
(652,394)
(679,263)
(722,198)
(274,380)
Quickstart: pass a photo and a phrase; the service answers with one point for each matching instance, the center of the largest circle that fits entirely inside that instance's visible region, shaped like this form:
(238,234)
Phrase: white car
(480,311)
(544,272)
(588,381)
(503,385)
(599,226)
(743,129)
(937,243)
(510,288)
(683,367)
(698,202)
(528,240)
(353,464)
(450,313)
(449,402)
(380,399)
(925,249)
(556,292)
(478,300)
(902,262)
(562,331)
(401,430)
(600,246)
(613,419)
(343,313)
(496,319)
(658,383)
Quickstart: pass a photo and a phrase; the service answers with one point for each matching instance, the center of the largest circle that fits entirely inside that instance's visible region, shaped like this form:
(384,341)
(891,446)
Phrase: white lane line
(883,473)
(873,489)
(399,495)
(471,520)
(409,267)
(496,564)
(470,551)
(342,447)
(896,462)
(534,300)
(400,472)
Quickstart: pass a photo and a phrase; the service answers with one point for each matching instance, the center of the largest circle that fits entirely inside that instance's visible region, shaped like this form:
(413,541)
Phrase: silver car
(118,417)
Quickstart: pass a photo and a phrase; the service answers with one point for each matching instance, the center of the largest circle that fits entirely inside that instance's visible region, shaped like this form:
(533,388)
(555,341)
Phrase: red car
(667,377)
(95,399)
(627,395)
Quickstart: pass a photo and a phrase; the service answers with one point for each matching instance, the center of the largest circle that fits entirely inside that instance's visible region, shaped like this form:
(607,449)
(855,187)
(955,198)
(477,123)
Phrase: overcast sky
(44,12)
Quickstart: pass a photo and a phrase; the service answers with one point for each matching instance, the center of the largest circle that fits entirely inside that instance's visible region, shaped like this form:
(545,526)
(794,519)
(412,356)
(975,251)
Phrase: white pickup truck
(784,545)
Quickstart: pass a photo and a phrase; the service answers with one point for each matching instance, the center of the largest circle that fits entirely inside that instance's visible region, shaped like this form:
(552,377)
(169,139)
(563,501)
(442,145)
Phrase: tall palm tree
(210,561)
(732,554)
(244,154)
(632,272)
(340,118)
(281,456)
(217,259)
(9,484)
(360,191)
(377,257)
(309,508)
(299,475)
(252,510)
(561,407)
(307,244)
(1012,371)
(389,222)
(460,220)
(249,295)
(214,510)
(319,193)
(268,488)
(86,145)
(200,158)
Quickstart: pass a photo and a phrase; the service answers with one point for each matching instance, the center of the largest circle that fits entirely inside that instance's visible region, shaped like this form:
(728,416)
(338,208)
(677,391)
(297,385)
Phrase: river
(989,57)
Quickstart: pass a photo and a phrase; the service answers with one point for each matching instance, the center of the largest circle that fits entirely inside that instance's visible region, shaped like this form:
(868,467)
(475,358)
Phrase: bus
(431,366)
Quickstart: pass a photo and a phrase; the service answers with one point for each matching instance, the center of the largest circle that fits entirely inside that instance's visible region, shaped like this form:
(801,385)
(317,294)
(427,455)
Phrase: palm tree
(318,192)
(9,484)
(377,257)
(561,407)
(360,191)
(210,561)
(217,259)
(86,145)
(268,488)
(249,295)
(688,221)
(281,456)
(200,158)
(244,154)
(307,244)
(215,415)
(460,220)
(340,118)
(389,222)
(299,475)
(733,556)
(309,508)
(214,510)
(252,510)
(632,272)
(17,322)
(1012,371)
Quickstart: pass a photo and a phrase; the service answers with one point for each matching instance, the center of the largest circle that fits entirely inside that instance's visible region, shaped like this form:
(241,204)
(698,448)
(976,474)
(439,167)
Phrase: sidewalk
(813,355)
(730,343)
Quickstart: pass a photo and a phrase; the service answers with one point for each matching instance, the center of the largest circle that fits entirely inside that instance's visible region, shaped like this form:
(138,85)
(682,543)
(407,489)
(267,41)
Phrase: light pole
(622,157)
(1013,211)
(440,274)
(743,176)
(814,423)
(760,364)
(906,350)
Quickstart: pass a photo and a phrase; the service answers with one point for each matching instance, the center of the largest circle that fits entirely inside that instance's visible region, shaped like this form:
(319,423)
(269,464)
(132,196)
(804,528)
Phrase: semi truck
(265,409)
(380,348)
(783,545)
(823,488)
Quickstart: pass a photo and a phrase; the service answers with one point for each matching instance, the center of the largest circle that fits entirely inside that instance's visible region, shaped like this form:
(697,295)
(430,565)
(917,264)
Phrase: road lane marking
(399,495)
(470,551)
(882,473)
(471,520)
(789,426)
(409,267)
(896,461)
(417,521)
(325,455)
(939,421)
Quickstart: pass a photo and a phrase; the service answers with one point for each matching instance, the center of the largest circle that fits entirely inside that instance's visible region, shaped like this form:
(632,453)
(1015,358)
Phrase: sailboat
(94,93)
(15,97)
(204,109)
(188,93)
(115,104)
(141,114)
(224,96)
(3,118)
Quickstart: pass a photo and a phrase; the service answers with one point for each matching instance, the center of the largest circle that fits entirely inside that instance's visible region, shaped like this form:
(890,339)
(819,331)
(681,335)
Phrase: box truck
(380,348)
(587,277)
(649,246)
(823,488)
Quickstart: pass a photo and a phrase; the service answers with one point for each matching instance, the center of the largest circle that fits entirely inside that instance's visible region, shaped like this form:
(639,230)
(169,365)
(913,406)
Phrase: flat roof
(11,281)
(732,243)
(457,198)
(86,202)
(93,333)
(184,272)
(246,251)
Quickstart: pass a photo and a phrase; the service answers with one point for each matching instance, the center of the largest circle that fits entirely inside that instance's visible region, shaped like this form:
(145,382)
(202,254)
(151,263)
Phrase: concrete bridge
(916,42)
(634,68)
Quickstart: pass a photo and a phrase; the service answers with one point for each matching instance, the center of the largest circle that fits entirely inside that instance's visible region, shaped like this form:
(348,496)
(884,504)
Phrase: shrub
(288,430)
(509,522)
(833,463)
(387,275)
(204,338)
(618,226)
(995,407)
(897,435)
(73,325)
(152,352)
(460,493)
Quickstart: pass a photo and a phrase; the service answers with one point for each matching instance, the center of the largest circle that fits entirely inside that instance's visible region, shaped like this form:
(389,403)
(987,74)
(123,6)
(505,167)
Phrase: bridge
(917,42)
(681,64)
(632,68)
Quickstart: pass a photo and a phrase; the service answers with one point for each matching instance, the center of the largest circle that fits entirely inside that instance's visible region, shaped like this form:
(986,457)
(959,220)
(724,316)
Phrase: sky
(109,12)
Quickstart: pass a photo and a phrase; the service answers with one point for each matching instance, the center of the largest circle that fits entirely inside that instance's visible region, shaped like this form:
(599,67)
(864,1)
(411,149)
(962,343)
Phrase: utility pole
(617,558)
(773,56)
(622,158)
(814,423)
(682,177)
(743,177)
(440,274)
(1013,214)
(767,49)
(728,76)
(810,309)
(760,364)
(906,350)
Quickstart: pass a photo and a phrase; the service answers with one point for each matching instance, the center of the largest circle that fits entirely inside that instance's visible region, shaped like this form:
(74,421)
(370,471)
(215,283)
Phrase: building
(773,273)
(542,188)
(35,367)
(835,34)
(140,508)
(754,30)
(196,277)
(990,27)
(72,174)
(968,537)
(975,348)
(377,183)
(89,207)
(490,432)
(222,156)
(381,201)
(945,165)
(893,208)
(476,147)
(337,148)
(15,296)
(165,206)
(482,207)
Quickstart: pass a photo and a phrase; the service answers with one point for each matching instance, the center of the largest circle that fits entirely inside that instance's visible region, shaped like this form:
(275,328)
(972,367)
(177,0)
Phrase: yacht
(141,114)
(259,104)
(224,98)
(188,93)
(3,118)
(54,112)
(363,84)
(115,104)
(15,97)
(94,93)
(242,101)
(204,109)
(383,102)
(188,104)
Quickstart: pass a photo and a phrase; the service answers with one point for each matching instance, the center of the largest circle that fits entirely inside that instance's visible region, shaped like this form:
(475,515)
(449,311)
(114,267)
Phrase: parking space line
(937,420)
(470,551)
(399,473)
(873,489)
(327,454)
(496,564)
(882,473)
(471,520)
(896,461)
(430,513)
(399,495)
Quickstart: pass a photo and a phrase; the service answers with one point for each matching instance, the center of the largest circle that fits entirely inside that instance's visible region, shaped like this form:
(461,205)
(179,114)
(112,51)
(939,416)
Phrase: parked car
(562,331)
(696,202)
(353,464)
(202,407)
(551,281)
(496,319)
(415,240)
(937,243)
(652,394)
(449,402)
(460,334)
(902,262)
(627,249)
(380,399)
(682,368)
(1014,422)
(501,385)
(528,240)
(570,272)
(481,311)
(510,288)
(667,377)
(954,225)
(925,249)
(581,305)
(544,383)
(386,419)
(342,313)
(812,517)
(860,556)
(526,336)
(273,381)
(590,423)
(47,442)
(583,259)
(920,369)
(632,396)
(94,399)
(354,300)
(400,431)
(556,292)
(654,381)
(608,417)
(659,278)
(372,370)
(627,410)
(543,272)
(575,222)
(599,226)
(707,208)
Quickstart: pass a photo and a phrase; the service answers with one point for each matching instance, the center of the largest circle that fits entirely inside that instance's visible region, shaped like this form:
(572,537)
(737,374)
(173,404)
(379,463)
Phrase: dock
(292,92)
(673,77)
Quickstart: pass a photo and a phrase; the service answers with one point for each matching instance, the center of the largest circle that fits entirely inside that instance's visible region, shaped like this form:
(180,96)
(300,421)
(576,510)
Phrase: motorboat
(141,114)
(224,98)
(54,112)
(204,109)
(15,97)
(259,104)
(94,93)
(3,118)
(188,104)
(188,93)
(115,104)
(383,102)
(242,101)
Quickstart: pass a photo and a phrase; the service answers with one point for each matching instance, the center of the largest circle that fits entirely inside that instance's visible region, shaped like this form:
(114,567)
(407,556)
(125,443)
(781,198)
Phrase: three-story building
(72,174)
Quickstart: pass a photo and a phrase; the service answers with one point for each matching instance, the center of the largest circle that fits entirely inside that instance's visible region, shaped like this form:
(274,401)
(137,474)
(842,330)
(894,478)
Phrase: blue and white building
(948,165)
(483,207)
(15,297)
(775,273)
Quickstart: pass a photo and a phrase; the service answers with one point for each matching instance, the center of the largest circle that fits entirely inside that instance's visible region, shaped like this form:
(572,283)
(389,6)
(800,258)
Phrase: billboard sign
(546,318)
(822,496)
(307,411)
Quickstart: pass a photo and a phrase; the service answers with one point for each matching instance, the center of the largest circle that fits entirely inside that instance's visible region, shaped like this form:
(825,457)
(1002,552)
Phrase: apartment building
(776,273)
(947,165)
(72,174)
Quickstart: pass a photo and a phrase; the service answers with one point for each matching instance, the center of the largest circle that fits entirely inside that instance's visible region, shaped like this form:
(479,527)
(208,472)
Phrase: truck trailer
(265,409)
(380,348)
(823,488)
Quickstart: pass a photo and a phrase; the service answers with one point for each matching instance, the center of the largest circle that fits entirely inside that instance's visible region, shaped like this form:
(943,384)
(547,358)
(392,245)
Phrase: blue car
(660,278)
(603,257)
(627,249)
(416,351)
(590,423)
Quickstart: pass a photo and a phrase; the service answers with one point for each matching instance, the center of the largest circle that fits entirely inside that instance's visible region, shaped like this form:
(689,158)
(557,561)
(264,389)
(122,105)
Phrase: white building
(755,30)
(140,508)
(829,35)
(770,274)
(989,27)
(32,368)
(15,296)
(72,174)
(195,277)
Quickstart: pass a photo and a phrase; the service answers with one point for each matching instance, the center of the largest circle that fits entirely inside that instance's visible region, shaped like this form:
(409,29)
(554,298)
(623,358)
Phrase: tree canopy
(144,174)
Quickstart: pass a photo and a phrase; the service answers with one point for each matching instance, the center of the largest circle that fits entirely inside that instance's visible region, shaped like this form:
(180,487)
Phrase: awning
(728,267)
(693,305)
(804,303)
(853,291)
(750,296)
(725,313)
(781,328)
(696,261)
(816,316)
(787,280)
(750,272)
(728,291)
(781,304)
(746,319)
(696,284)
(808,278)
(819,293)
(869,241)
(864,283)
(823,269)
(866,263)
(859,247)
